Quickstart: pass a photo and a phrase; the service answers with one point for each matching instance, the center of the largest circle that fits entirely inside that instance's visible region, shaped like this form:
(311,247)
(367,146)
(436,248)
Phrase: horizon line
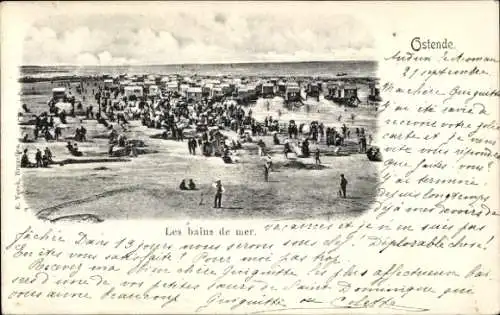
(196,64)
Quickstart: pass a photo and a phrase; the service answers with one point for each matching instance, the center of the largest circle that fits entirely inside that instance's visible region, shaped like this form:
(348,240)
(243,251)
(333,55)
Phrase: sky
(196,34)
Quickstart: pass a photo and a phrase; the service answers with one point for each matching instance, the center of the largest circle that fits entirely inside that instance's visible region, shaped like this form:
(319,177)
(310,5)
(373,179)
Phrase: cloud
(105,58)
(87,59)
(220,18)
(195,36)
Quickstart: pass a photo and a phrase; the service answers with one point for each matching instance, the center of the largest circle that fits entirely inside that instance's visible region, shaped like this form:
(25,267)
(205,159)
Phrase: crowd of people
(41,160)
(174,115)
(189,186)
(201,122)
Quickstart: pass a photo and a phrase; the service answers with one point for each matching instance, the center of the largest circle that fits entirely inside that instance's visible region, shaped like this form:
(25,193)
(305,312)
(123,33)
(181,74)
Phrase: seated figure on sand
(73,149)
(286,149)
(25,108)
(48,154)
(192,185)
(183,186)
(276,140)
(25,161)
(374,154)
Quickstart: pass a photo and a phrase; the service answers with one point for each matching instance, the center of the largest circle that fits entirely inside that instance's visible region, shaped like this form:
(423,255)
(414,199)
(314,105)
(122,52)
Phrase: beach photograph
(199,112)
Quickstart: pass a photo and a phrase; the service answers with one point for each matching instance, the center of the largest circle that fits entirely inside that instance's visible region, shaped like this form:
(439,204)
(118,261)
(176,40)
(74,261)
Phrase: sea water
(309,69)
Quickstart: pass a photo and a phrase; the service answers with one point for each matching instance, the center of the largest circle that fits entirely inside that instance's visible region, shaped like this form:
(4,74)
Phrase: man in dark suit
(343,185)
(218,194)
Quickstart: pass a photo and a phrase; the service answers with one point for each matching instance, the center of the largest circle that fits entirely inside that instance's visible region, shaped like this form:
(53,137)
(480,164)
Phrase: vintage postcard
(250,157)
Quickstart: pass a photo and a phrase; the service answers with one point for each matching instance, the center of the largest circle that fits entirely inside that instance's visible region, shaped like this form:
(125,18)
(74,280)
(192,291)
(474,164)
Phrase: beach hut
(67,107)
(236,82)
(213,82)
(148,82)
(374,95)
(124,83)
(226,89)
(172,86)
(154,90)
(206,90)
(350,95)
(133,90)
(59,93)
(216,92)
(313,89)
(268,90)
(194,93)
(333,91)
(232,88)
(350,91)
(258,88)
(183,89)
(252,92)
(281,88)
(292,92)
(242,94)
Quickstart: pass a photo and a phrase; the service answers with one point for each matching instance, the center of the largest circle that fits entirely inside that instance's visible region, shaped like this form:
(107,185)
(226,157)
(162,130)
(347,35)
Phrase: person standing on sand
(266,172)
(38,158)
(48,154)
(286,149)
(218,194)
(269,162)
(193,145)
(316,157)
(343,186)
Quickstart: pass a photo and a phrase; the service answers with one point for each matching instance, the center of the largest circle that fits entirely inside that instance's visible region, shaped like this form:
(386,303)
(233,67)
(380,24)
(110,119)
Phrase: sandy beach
(146,186)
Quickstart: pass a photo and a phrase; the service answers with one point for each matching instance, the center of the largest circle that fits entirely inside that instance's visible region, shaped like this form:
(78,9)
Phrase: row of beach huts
(243,90)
